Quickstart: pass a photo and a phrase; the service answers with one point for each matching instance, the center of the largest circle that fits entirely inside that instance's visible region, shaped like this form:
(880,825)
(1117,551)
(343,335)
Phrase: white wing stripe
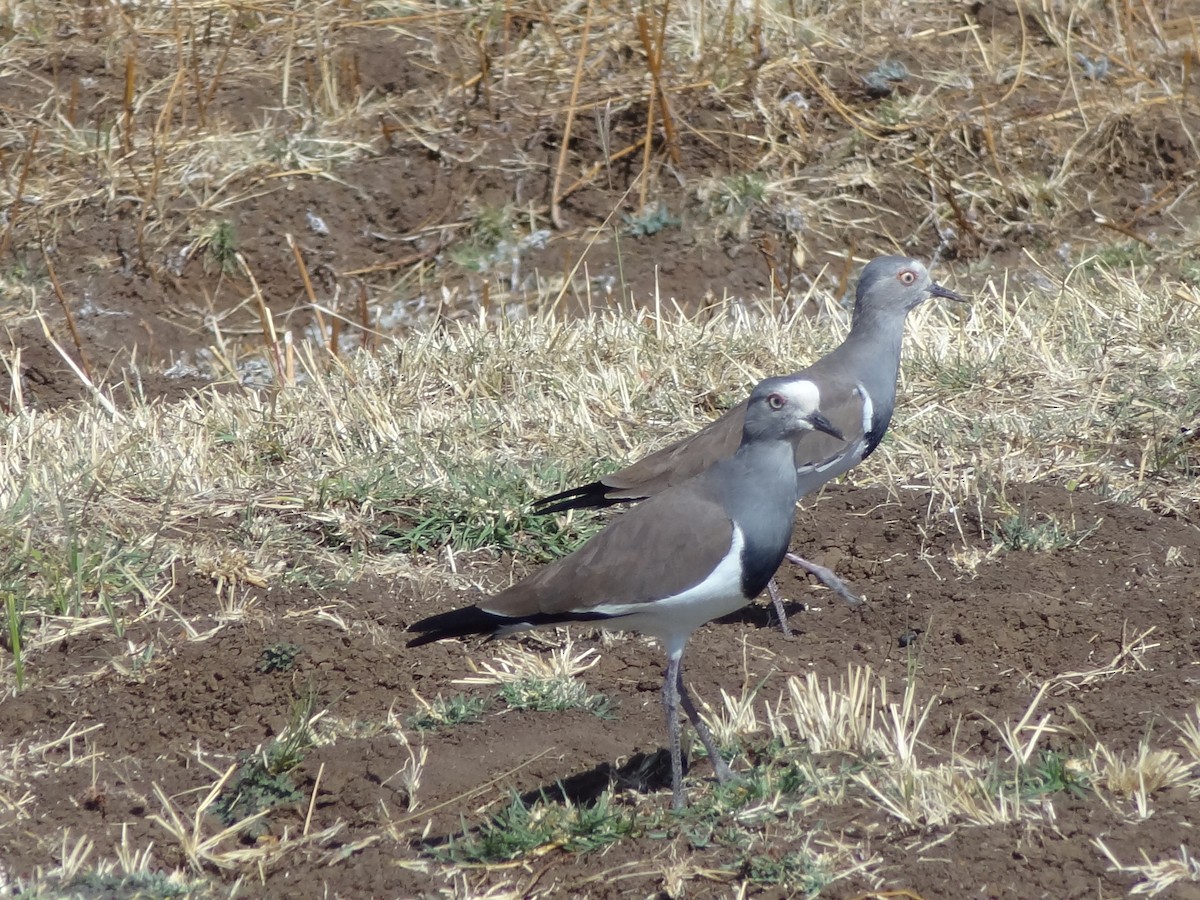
(868,410)
(715,589)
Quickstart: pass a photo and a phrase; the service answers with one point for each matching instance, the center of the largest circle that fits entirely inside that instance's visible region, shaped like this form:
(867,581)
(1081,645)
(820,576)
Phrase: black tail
(464,622)
(471,620)
(587,496)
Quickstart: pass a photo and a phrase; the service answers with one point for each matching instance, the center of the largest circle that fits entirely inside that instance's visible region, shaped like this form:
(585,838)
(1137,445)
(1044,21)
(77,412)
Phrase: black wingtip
(471,621)
(586,496)
(465,622)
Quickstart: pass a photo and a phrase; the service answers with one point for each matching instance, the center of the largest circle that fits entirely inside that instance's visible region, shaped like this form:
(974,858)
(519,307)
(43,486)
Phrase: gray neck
(876,335)
(759,487)
(870,355)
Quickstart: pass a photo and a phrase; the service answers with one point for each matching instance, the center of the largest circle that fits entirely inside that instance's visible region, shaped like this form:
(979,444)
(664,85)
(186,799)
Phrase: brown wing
(680,461)
(655,550)
(841,403)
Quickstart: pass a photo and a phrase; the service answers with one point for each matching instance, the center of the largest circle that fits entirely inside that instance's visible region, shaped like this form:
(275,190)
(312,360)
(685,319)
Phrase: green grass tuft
(489,240)
(263,780)
(520,829)
(554,695)
(218,242)
(458,710)
(796,870)
(140,885)
(1021,531)
(486,507)
(1051,772)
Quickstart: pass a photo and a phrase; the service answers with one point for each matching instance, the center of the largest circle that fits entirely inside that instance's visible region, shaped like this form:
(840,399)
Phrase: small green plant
(1051,773)
(554,695)
(1189,271)
(475,507)
(779,782)
(956,372)
(520,829)
(144,885)
(650,220)
(796,870)
(458,710)
(218,243)
(1022,532)
(259,783)
(1119,256)
(1173,456)
(278,658)
(485,507)
(732,199)
(15,626)
(263,780)
(83,575)
(736,195)
(489,239)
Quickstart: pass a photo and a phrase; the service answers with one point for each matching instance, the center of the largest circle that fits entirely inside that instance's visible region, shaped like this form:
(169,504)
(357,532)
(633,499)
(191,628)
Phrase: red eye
(776,401)
(908,276)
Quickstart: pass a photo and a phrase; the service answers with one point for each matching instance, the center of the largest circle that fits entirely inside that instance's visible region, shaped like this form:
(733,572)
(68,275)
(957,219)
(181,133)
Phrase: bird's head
(780,408)
(896,284)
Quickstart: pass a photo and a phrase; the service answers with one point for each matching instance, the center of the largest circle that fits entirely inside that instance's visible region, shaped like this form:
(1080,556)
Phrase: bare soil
(982,642)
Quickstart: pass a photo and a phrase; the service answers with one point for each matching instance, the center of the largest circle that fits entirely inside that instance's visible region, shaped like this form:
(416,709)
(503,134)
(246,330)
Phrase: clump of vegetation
(217,246)
(524,828)
(106,882)
(1022,531)
(797,871)
(484,506)
(733,199)
(263,779)
(554,695)
(736,195)
(1051,772)
(650,220)
(490,238)
(541,681)
(278,658)
(447,713)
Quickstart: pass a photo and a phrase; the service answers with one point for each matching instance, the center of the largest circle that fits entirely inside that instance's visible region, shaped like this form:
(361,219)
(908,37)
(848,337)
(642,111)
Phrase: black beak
(936,290)
(820,423)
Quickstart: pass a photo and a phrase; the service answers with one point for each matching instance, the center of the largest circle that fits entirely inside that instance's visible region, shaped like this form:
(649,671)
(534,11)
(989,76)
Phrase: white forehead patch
(805,394)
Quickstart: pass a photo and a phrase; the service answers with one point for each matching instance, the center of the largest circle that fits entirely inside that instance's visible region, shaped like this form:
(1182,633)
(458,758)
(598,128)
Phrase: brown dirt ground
(985,640)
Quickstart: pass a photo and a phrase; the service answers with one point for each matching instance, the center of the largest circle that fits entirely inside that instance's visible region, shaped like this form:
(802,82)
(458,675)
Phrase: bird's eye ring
(776,401)
(908,276)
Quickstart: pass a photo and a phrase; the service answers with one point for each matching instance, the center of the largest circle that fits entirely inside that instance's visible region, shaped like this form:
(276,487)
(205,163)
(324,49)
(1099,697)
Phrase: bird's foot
(827,578)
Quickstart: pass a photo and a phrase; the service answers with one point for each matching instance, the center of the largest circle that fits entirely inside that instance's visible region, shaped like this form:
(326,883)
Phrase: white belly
(673,619)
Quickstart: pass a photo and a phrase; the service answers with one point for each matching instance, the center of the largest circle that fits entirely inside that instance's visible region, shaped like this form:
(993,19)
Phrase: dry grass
(1072,389)
(314,473)
(800,132)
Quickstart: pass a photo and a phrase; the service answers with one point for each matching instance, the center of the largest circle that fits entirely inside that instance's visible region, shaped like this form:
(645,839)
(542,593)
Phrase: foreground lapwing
(857,385)
(697,550)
